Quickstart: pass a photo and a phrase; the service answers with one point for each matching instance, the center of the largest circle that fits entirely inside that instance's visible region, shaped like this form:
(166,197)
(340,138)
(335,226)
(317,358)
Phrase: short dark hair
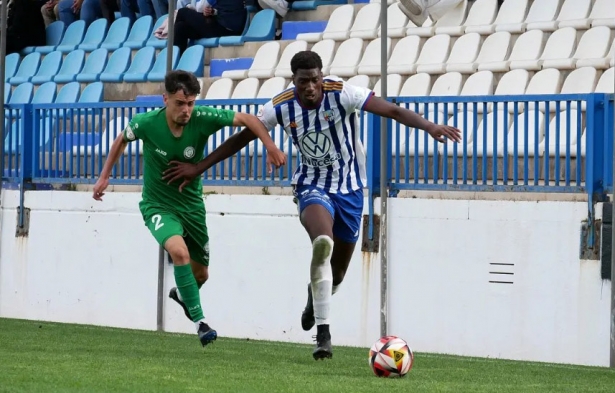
(305,60)
(177,80)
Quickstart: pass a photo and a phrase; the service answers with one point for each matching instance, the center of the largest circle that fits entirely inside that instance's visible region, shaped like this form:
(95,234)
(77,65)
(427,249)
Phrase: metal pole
(383,171)
(4,9)
(613,252)
(160,300)
(170,34)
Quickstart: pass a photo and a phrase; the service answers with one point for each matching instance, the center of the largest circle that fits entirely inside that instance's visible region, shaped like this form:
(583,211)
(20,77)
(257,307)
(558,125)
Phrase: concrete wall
(96,263)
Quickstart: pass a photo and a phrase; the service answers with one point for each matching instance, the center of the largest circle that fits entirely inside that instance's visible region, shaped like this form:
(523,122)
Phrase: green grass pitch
(53,357)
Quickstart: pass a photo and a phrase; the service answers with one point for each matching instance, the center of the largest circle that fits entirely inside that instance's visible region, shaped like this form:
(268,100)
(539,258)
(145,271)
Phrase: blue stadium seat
(159,69)
(7,92)
(10,65)
(94,65)
(21,95)
(94,36)
(218,66)
(262,28)
(206,42)
(117,34)
(54,33)
(71,66)
(48,69)
(113,71)
(141,65)
(45,94)
(192,60)
(92,93)
(140,32)
(153,41)
(69,93)
(291,29)
(72,37)
(28,67)
(307,5)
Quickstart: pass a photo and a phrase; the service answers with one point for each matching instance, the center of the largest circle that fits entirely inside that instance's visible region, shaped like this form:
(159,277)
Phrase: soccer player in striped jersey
(319,116)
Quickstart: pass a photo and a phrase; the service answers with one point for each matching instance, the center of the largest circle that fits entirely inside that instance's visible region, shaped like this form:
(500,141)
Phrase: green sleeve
(213,119)
(132,131)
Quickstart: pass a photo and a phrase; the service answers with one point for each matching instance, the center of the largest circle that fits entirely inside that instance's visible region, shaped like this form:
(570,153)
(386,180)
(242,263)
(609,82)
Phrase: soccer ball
(390,356)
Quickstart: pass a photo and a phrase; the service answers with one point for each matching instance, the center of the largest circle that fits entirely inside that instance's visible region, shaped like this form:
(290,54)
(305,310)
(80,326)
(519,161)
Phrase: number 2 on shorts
(156,220)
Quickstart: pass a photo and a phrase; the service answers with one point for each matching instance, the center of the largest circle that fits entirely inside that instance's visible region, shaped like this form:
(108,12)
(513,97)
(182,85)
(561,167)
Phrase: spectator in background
(25,25)
(210,19)
(50,12)
(279,6)
(128,9)
(161,7)
(86,10)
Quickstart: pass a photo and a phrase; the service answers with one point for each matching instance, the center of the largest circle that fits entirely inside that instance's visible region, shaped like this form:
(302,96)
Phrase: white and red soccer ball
(391,356)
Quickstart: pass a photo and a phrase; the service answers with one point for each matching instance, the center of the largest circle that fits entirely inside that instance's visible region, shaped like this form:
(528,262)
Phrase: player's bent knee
(178,250)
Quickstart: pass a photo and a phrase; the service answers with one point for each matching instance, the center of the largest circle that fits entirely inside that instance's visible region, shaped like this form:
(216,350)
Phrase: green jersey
(160,146)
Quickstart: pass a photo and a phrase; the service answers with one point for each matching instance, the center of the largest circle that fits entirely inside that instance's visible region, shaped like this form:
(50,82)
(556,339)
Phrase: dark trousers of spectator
(190,24)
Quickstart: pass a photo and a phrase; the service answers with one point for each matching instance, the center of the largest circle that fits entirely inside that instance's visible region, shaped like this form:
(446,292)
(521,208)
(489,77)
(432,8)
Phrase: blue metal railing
(542,143)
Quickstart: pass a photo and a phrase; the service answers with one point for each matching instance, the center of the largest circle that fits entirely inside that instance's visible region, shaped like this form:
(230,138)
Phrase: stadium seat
(599,62)
(290,29)
(446,85)
(262,28)
(397,22)
(246,89)
(370,61)
(568,123)
(511,11)
(528,47)
(207,42)
(495,133)
(220,89)
(540,11)
(594,44)
(482,13)
(418,85)
(263,65)
(141,64)
(359,81)
(271,87)
(153,40)
(495,48)
(158,71)
(464,51)
(346,58)
(283,67)
(338,26)
(453,18)
(393,86)
(94,35)
(118,31)
(365,25)
(435,51)
(535,124)
(580,81)
(560,45)
(71,66)
(325,50)
(192,60)
(96,63)
(139,33)
(307,5)
(72,38)
(606,83)
(22,94)
(7,93)
(45,94)
(48,69)
(404,55)
(54,33)
(28,67)
(116,66)
(571,10)
(92,93)
(69,93)
(466,123)
(478,84)
(547,81)
(10,66)
(512,83)
(218,66)
(602,14)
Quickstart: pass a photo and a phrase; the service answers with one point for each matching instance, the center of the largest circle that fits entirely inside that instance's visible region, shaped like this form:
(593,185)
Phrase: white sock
(196,324)
(335,288)
(321,278)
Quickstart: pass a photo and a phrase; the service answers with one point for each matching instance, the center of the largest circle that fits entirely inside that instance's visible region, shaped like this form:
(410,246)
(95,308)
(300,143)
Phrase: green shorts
(163,224)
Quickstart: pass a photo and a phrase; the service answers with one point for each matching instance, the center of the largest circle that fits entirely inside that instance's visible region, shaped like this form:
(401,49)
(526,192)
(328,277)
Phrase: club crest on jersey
(130,135)
(328,115)
(189,152)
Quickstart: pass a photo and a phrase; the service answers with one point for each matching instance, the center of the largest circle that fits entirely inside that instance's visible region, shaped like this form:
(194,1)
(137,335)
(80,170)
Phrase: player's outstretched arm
(384,108)
(118,147)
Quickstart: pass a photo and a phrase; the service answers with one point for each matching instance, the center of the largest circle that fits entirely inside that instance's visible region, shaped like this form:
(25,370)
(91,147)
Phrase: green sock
(189,291)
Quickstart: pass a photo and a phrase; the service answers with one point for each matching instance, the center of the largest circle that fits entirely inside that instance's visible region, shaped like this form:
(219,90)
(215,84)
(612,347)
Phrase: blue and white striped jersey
(332,156)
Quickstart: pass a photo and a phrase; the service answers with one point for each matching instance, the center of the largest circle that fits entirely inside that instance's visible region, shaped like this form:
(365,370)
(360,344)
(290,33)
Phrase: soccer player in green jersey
(175,215)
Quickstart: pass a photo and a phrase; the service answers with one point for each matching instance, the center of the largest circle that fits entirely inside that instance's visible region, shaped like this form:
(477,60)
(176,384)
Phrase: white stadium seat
(396,22)
(527,47)
(464,51)
(540,11)
(594,43)
(571,10)
(246,89)
(435,51)
(560,45)
(370,62)
(511,11)
(453,18)
(366,23)
(404,55)
(338,26)
(283,67)
(495,48)
(220,89)
(482,13)
(346,58)
(271,87)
